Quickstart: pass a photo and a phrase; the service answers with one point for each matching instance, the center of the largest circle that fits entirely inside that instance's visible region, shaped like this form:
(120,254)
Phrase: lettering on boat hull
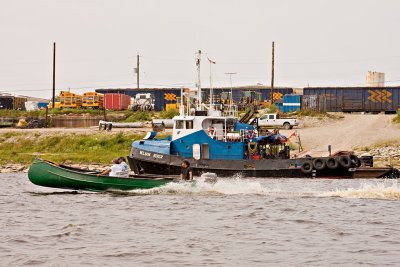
(149,154)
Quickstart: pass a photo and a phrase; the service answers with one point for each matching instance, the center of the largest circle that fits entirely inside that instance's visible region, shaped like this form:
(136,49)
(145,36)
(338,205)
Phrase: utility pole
(230,77)
(54,74)
(273,72)
(137,71)
(198,61)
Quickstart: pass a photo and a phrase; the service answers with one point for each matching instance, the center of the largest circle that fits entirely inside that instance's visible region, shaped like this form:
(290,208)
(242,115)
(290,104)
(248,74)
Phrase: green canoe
(49,174)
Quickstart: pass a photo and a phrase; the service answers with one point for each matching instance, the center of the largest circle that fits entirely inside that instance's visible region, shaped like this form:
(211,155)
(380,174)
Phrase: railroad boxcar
(12,102)
(353,99)
(116,101)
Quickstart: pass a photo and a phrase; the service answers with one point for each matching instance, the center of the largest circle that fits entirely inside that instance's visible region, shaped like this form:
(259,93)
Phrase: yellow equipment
(56,104)
(70,100)
(92,100)
(173,106)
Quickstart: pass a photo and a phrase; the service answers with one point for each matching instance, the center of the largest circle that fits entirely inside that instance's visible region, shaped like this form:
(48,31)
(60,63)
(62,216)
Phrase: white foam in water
(234,186)
(378,190)
(227,186)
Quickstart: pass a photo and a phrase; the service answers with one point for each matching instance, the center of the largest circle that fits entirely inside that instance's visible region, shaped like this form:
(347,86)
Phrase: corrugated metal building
(164,96)
(352,99)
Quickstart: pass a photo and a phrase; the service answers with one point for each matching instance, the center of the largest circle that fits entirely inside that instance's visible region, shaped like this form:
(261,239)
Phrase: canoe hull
(48,174)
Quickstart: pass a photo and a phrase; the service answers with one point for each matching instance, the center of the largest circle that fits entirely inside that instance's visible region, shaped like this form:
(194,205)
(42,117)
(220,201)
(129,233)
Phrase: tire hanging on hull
(319,164)
(307,167)
(332,163)
(345,161)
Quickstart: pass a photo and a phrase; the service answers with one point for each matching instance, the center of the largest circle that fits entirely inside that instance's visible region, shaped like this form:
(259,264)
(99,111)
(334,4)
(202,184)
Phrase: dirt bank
(354,130)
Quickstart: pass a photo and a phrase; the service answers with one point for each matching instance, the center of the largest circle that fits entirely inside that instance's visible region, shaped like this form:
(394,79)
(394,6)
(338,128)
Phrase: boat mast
(211,86)
(231,100)
(198,60)
(182,107)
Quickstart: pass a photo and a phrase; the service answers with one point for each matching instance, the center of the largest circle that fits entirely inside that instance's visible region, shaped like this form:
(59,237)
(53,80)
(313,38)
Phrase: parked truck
(143,102)
(273,120)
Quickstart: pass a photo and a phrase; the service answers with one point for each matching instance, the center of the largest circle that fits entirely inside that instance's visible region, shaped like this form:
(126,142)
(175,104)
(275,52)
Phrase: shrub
(314,113)
(272,109)
(397,118)
(168,114)
(139,116)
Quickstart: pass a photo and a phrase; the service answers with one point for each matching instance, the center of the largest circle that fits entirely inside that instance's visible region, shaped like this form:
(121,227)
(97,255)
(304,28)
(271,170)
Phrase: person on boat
(211,132)
(122,162)
(221,106)
(114,170)
(186,171)
(124,168)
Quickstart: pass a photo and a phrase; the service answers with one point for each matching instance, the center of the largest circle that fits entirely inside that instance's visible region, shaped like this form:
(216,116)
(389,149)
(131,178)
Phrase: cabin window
(179,125)
(271,117)
(189,124)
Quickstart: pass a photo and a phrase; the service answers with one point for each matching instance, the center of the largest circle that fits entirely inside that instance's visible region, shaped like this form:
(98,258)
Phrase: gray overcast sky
(318,42)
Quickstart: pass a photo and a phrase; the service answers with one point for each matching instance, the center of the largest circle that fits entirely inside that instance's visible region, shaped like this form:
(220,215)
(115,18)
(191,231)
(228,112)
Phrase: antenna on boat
(198,61)
(211,85)
(182,107)
(231,100)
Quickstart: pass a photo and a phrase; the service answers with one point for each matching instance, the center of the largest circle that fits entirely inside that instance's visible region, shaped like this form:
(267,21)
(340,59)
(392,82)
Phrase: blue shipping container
(291,103)
(42,104)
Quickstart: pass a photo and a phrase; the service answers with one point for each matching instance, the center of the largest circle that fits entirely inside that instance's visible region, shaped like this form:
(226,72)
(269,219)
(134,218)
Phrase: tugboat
(214,140)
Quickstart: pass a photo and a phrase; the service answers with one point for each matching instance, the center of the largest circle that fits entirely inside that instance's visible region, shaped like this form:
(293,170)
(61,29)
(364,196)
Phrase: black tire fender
(319,164)
(345,161)
(332,163)
(306,167)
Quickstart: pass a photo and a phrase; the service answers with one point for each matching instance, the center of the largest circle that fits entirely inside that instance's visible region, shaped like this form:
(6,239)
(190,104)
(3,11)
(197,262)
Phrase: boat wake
(279,188)
(378,190)
(364,190)
(222,186)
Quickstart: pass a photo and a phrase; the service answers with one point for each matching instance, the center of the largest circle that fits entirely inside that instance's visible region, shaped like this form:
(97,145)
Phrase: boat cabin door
(202,152)
(196,151)
(205,149)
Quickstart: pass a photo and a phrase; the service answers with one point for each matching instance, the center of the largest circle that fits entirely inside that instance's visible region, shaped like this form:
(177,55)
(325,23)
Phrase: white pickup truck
(273,120)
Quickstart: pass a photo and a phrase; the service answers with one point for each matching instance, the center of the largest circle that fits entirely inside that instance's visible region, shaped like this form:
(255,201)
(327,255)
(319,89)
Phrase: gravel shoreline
(22,168)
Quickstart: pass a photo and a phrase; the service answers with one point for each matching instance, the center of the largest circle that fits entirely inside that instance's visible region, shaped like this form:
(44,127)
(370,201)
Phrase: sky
(317,43)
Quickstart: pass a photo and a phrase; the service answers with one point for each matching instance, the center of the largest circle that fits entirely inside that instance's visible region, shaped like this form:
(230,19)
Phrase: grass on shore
(397,118)
(122,115)
(42,113)
(75,148)
(318,114)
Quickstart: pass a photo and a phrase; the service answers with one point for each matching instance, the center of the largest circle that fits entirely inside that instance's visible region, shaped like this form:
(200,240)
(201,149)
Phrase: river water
(234,222)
